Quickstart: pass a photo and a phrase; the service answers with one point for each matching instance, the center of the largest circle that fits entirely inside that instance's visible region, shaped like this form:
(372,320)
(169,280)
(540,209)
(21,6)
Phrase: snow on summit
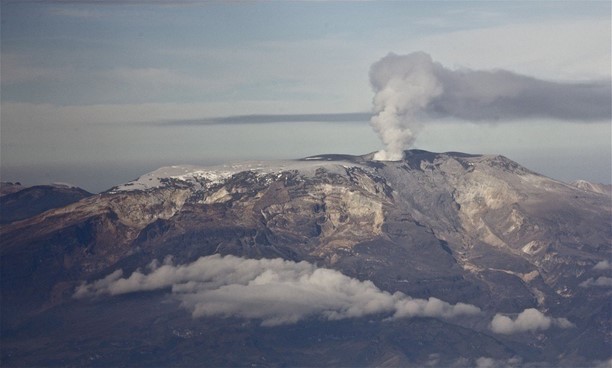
(210,175)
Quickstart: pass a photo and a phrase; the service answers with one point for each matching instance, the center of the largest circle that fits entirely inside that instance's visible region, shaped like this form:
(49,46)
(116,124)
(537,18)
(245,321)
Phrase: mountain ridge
(18,202)
(461,228)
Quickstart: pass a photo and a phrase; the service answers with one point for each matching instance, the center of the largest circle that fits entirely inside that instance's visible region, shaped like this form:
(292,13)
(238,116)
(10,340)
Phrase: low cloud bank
(530,319)
(275,291)
(485,362)
(603,266)
(601,281)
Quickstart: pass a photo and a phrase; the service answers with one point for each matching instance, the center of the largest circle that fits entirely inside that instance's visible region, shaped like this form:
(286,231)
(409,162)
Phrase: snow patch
(220,196)
(533,247)
(206,177)
(592,187)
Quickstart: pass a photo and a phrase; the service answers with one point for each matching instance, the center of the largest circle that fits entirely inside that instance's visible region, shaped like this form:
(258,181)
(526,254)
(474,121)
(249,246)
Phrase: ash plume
(412,89)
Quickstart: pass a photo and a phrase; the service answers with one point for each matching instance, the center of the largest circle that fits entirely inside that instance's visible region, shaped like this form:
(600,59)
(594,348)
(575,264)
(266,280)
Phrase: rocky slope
(593,187)
(462,228)
(18,202)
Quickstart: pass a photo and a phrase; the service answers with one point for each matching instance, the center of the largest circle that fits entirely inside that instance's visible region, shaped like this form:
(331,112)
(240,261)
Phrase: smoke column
(404,85)
(411,89)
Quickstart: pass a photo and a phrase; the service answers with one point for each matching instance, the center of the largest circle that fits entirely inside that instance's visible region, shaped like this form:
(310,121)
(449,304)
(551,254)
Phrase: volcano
(502,266)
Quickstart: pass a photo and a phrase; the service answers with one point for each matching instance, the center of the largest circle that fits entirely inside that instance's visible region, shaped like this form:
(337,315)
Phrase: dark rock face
(18,203)
(462,228)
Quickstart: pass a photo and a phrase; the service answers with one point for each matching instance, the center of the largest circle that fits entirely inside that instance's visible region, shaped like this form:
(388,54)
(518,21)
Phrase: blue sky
(86,84)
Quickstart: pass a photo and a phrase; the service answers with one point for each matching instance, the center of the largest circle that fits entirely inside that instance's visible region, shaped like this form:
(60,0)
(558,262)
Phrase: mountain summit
(439,258)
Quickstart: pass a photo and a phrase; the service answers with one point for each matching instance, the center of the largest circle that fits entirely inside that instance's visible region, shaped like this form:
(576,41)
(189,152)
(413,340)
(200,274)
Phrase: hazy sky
(98,92)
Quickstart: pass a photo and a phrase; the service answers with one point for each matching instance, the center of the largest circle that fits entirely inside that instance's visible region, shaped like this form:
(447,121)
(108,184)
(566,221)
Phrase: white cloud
(485,362)
(432,307)
(272,290)
(603,364)
(603,266)
(528,320)
(601,281)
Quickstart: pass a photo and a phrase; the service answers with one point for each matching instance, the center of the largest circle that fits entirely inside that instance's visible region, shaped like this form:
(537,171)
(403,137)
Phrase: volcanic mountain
(436,259)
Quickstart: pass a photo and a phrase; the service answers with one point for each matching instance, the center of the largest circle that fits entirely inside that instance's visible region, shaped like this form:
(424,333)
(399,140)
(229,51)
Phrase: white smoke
(404,85)
(530,319)
(274,291)
(409,89)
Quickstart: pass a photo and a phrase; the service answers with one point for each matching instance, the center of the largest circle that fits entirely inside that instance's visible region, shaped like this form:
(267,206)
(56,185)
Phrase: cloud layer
(603,266)
(412,88)
(349,117)
(601,281)
(274,291)
(528,320)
